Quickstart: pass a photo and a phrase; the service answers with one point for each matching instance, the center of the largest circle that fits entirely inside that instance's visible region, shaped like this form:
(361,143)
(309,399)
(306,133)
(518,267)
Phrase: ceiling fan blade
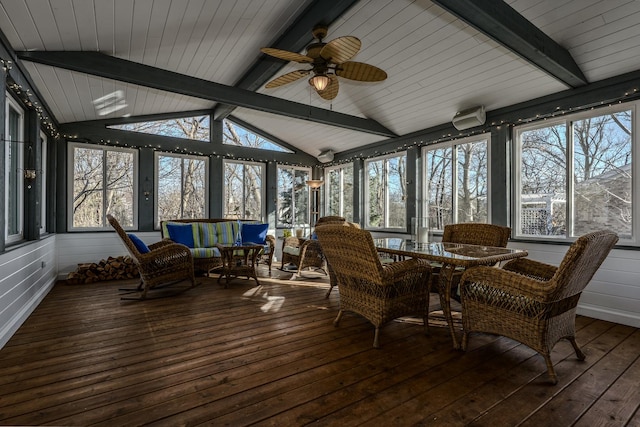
(287,78)
(331,91)
(360,71)
(341,49)
(286,55)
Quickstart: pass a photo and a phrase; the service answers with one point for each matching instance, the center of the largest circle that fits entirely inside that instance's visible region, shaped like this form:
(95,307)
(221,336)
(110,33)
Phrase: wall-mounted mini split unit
(471,117)
(325,156)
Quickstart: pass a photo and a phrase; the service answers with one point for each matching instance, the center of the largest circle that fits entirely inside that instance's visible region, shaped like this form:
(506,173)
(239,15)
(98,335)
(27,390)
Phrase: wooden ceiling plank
(294,39)
(503,24)
(98,64)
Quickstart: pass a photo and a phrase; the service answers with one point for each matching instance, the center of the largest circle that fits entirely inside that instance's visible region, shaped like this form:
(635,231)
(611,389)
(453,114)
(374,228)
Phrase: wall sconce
(30,174)
(146,188)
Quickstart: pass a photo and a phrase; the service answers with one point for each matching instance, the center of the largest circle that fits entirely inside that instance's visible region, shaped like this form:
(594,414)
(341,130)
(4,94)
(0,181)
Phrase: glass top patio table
(452,256)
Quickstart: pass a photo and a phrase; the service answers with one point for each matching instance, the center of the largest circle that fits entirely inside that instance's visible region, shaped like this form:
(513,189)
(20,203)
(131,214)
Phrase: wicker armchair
(378,292)
(165,263)
(470,233)
(307,253)
(532,302)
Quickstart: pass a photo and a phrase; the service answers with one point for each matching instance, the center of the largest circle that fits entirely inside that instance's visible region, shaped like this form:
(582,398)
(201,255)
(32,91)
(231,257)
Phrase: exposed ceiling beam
(502,23)
(98,64)
(294,39)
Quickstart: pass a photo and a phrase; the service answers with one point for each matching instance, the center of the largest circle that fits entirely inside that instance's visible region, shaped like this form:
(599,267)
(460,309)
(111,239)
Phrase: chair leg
(465,340)
(552,373)
(338,317)
(425,320)
(376,335)
(329,291)
(579,354)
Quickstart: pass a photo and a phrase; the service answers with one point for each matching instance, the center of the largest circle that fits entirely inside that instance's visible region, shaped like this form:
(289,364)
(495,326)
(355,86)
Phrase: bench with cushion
(201,236)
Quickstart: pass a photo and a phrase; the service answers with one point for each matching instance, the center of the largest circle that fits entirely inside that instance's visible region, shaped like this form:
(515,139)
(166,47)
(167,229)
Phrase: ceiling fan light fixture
(320,82)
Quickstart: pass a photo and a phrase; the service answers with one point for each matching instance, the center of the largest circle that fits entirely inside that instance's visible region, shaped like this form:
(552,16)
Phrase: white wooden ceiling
(436,64)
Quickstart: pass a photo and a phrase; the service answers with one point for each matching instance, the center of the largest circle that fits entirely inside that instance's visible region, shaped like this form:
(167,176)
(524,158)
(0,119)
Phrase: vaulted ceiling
(441,56)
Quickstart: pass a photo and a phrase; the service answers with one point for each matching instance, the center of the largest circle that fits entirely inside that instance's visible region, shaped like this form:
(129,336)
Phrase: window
(243,190)
(103,181)
(181,186)
(339,191)
(293,196)
(575,176)
(386,192)
(14,170)
(234,134)
(196,128)
(456,184)
(43,182)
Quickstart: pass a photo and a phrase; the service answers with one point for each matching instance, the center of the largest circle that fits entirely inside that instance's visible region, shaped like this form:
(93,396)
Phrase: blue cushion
(181,233)
(139,244)
(254,233)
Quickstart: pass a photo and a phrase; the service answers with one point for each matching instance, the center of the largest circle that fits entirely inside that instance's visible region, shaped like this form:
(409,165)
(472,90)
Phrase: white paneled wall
(27,273)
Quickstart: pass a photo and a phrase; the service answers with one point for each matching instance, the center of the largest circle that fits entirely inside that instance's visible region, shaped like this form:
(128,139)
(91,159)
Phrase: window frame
(452,144)
(366,204)
(327,188)
(12,104)
(70,181)
(156,170)
(568,121)
(263,174)
(44,146)
(310,175)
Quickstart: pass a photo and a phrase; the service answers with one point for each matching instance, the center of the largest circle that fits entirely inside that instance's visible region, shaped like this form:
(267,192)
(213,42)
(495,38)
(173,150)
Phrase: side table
(239,261)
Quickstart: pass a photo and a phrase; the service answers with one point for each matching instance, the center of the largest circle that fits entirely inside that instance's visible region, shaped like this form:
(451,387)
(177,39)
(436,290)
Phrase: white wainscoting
(27,273)
(78,248)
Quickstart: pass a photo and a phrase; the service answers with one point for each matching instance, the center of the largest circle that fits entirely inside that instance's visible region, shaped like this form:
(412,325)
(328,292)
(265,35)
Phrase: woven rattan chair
(165,263)
(470,233)
(532,302)
(307,253)
(379,293)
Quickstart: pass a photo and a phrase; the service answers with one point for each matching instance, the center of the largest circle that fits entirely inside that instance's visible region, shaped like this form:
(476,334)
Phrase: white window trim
(568,119)
(70,162)
(44,144)
(365,212)
(11,103)
(327,186)
(156,164)
(263,172)
(424,192)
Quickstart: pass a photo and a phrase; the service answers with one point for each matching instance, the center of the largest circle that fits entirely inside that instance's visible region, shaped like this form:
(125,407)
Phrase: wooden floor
(269,355)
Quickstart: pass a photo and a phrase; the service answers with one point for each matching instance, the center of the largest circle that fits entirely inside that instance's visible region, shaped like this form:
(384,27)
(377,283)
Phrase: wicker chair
(307,253)
(378,292)
(165,263)
(470,233)
(532,302)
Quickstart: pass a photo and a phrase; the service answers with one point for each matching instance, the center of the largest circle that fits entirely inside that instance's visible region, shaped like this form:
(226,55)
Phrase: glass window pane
(169,187)
(193,190)
(14,162)
(253,192)
(243,190)
(88,187)
(543,173)
(602,174)
(396,190)
(472,182)
(439,179)
(301,197)
(339,191)
(376,199)
(119,195)
(293,197)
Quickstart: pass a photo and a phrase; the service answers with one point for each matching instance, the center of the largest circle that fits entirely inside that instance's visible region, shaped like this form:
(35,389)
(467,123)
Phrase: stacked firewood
(117,268)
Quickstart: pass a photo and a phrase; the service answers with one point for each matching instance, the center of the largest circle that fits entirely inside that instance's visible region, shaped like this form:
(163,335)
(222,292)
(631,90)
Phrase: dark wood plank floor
(269,355)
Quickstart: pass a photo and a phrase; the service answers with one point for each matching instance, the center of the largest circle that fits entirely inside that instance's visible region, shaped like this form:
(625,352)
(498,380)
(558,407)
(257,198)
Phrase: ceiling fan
(328,62)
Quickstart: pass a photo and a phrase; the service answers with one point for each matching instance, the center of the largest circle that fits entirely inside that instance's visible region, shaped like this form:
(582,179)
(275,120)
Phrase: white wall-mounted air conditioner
(325,156)
(471,117)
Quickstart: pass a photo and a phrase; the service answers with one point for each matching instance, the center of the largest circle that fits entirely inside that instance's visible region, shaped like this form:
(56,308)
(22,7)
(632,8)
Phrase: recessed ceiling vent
(469,118)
